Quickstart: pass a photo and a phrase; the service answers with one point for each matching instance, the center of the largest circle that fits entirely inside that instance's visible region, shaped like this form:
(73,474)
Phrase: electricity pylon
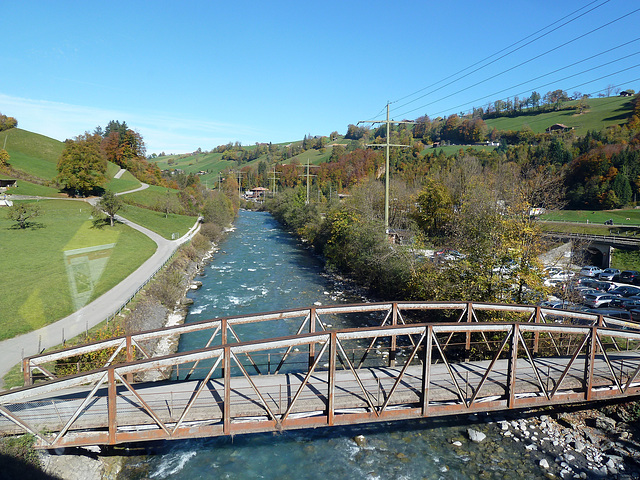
(386,171)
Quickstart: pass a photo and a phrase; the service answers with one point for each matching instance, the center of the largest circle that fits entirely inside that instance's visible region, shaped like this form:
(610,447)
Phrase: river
(261,268)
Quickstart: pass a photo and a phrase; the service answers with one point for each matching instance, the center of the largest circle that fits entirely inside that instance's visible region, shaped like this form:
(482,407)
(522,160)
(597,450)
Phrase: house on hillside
(5,184)
(558,127)
(626,93)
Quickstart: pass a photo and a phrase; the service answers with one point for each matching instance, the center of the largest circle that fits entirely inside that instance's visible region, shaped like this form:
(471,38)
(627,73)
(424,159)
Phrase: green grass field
(149,197)
(603,112)
(62,264)
(172,227)
(27,188)
(630,216)
(451,149)
(122,184)
(32,153)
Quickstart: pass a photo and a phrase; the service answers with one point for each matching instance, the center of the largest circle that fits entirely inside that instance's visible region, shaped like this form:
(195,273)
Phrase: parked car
(626,302)
(598,300)
(627,276)
(449,254)
(560,275)
(612,312)
(608,274)
(560,304)
(625,291)
(597,284)
(590,271)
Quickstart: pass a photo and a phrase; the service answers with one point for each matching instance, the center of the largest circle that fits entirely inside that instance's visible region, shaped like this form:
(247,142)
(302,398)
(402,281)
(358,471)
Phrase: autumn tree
(22,212)
(110,204)
(7,122)
(4,158)
(434,209)
(82,166)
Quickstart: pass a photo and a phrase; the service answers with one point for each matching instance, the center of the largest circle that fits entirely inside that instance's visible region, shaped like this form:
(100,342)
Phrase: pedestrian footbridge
(406,360)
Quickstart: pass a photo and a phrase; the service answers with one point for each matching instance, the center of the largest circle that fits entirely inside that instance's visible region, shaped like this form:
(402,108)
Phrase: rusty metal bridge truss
(485,357)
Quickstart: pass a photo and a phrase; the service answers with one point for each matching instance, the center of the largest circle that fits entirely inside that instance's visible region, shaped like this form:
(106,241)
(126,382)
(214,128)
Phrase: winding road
(13,350)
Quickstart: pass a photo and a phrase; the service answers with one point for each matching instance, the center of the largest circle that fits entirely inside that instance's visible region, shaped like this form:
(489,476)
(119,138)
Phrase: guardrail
(128,347)
(105,406)
(610,239)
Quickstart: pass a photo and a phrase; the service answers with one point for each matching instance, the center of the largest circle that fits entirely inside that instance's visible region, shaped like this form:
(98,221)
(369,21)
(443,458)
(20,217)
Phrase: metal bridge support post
(312,329)
(129,357)
(536,335)
(111,406)
(394,322)
(223,341)
(589,361)
(26,372)
(467,345)
(226,402)
(331,380)
(426,370)
(511,372)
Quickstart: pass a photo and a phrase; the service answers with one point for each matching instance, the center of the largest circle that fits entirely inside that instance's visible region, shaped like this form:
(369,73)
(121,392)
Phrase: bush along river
(261,268)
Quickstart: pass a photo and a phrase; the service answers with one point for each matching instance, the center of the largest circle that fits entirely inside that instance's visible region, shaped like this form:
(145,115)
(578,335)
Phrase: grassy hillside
(602,112)
(64,248)
(67,251)
(32,153)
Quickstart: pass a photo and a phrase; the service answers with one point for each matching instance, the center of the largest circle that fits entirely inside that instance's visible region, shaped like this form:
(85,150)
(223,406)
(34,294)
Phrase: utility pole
(239,173)
(273,179)
(386,171)
(308,165)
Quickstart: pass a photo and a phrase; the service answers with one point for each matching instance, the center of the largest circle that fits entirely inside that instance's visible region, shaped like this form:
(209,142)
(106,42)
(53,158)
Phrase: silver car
(590,271)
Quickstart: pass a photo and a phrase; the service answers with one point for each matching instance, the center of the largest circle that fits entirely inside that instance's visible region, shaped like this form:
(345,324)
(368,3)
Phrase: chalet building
(626,93)
(4,184)
(558,127)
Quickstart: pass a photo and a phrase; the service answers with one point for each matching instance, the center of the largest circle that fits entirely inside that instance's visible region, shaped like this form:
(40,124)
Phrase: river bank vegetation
(478,209)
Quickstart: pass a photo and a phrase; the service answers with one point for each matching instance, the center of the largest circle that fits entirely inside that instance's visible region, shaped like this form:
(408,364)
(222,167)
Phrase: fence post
(312,329)
(394,322)
(467,346)
(226,405)
(589,361)
(111,406)
(129,348)
(536,335)
(511,372)
(332,377)
(26,372)
(426,370)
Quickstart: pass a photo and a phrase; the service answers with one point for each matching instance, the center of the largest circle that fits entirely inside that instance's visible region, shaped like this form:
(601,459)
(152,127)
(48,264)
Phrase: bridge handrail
(128,342)
(605,238)
(207,353)
(108,378)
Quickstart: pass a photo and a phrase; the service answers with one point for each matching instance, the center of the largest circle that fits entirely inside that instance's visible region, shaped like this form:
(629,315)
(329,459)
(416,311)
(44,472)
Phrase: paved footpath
(13,350)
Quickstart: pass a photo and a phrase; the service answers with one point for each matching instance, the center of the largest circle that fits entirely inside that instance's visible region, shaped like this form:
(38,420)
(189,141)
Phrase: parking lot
(609,291)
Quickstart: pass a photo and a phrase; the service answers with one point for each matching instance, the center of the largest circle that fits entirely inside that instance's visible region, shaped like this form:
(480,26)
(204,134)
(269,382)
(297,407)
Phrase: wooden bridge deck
(107,407)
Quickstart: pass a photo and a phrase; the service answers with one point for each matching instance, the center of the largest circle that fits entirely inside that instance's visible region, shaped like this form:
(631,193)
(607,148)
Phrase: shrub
(211,231)
(21,449)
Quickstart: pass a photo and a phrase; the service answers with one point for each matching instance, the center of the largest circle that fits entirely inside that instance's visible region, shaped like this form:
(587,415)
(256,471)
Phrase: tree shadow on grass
(100,223)
(27,226)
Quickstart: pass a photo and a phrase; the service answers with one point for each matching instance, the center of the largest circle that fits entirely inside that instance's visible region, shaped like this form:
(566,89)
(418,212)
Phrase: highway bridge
(597,247)
(418,360)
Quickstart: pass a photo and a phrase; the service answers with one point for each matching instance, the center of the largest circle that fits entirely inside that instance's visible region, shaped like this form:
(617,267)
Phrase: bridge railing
(433,375)
(126,348)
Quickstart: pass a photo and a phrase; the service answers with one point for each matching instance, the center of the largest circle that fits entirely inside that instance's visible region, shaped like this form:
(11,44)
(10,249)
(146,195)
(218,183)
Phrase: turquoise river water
(261,268)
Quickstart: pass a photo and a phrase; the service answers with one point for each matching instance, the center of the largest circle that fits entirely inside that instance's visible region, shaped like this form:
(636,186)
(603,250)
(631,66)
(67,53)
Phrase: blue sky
(195,74)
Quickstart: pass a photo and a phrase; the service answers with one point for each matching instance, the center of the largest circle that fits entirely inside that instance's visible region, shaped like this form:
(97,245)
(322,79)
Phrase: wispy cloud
(161,132)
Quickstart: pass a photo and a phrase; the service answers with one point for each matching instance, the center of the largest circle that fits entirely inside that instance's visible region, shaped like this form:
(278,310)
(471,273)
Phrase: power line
(516,66)
(543,85)
(506,48)
(499,58)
